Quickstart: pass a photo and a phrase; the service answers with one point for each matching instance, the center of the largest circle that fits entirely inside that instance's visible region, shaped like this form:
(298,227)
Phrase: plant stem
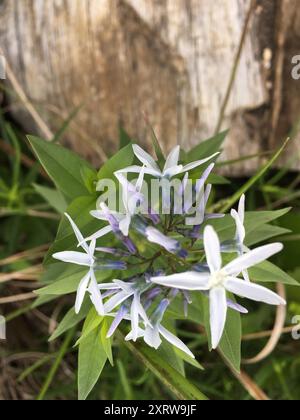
(63,350)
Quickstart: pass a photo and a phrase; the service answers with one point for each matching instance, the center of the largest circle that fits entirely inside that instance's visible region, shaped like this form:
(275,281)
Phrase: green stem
(178,385)
(253,180)
(63,350)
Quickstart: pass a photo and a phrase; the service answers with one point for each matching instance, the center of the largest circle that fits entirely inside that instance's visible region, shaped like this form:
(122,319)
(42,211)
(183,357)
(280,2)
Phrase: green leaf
(216,179)
(70,320)
(124,138)
(120,160)
(89,177)
(177,384)
(230,346)
(207,148)
(253,222)
(54,197)
(264,233)
(93,321)
(91,361)
(62,165)
(267,272)
(106,342)
(69,280)
(183,356)
(157,148)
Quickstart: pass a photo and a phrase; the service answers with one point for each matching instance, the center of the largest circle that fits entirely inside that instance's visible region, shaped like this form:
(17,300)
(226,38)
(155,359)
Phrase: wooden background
(171,59)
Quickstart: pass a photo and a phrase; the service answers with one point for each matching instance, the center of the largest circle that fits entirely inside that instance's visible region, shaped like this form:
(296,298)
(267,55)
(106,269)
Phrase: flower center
(217,279)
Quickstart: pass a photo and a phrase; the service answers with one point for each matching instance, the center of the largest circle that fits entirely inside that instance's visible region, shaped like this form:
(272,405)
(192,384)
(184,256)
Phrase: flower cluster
(155,257)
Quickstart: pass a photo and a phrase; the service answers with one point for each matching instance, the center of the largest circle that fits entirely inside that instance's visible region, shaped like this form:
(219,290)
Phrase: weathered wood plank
(169,58)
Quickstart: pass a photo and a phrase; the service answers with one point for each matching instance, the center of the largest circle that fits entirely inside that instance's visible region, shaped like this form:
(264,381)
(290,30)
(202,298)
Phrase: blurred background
(87,72)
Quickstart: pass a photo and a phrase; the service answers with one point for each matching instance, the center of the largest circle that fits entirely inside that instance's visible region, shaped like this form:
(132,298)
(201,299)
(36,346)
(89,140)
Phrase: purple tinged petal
(155,236)
(129,245)
(117,321)
(236,307)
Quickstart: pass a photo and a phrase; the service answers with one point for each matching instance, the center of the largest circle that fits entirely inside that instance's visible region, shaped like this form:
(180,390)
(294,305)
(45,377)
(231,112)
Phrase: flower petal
(125,225)
(194,165)
(175,170)
(246,276)
(240,229)
(236,307)
(140,181)
(152,337)
(175,341)
(212,249)
(96,297)
(254,292)
(157,237)
(252,258)
(117,321)
(184,281)
(218,314)
(145,158)
(78,234)
(241,210)
(115,301)
(102,232)
(134,313)
(172,159)
(137,169)
(81,291)
(73,257)
(129,337)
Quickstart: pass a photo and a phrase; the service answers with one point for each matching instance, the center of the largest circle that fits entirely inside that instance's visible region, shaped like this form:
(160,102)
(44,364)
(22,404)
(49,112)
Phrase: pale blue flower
(171,167)
(221,280)
(154,330)
(86,259)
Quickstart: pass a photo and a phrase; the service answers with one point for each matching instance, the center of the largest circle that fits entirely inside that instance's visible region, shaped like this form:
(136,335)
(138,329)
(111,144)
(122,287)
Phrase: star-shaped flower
(154,330)
(127,296)
(171,167)
(86,259)
(221,280)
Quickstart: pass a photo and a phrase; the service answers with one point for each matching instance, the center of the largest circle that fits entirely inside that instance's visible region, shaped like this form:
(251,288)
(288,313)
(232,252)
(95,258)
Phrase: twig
(276,332)
(236,65)
(17,298)
(27,104)
(29,254)
(254,390)
(31,273)
(266,334)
